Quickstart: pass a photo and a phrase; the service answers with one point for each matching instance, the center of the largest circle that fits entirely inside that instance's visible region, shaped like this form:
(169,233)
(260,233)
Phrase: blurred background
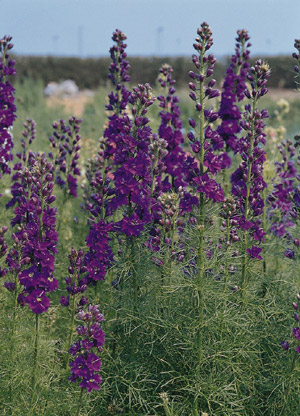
(61,49)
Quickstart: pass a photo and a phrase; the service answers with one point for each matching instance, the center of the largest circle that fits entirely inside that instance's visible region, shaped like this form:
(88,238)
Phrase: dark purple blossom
(290,254)
(233,91)
(285,345)
(86,364)
(254,252)
(100,256)
(282,211)
(205,141)
(76,282)
(65,144)
(35,242)
(170,128)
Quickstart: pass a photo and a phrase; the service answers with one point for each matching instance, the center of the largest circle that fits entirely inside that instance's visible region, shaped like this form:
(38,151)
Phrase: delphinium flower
(65,141)
(31,260)
(296,55)
(7,106)
(170,220)
(201,169)
(3,248)
(18,179)
(29,134)
(247,180)
(233,91)
(293,347)
(98,188)
(101,170)
(76,285)
(99,257)
(86,363)
(203,166)
(229,235)
(132,174)
(36,238)
(118,74)
(170,128)
(282,211)
(206,161)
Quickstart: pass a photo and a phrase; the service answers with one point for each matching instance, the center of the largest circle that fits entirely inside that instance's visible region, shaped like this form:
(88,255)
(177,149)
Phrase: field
(149,243)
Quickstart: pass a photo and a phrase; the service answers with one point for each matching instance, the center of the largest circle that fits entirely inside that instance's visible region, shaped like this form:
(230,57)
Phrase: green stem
(72,327)
(12,341)
(200,253)
(135,288)
(35,354)
(79,403)
(287,392)
(248,186)
(226,254)
(264,225)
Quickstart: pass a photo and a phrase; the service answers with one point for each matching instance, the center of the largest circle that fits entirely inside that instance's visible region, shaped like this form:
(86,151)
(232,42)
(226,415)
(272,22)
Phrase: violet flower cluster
(233,90)
(98,188)
(7,106)
(3,248)
(76,281)
(118,74)
(247,180)
(29,134)
(66,140)
(296,331)
(282,211)
(132,162)
(99,256)
(170,128)
(86,363)
(296,55)
(204,140)
(35,241)
(101,171)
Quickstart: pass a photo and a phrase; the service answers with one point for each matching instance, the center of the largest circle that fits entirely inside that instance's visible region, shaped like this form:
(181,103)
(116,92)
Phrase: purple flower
(296,333)
(170,128)
(285,345)
(10,286)
(233,91)
(201,169)
(86,364)
(35,241)
(37,301)
(65,144)
(7,107)
(254,252)
(99,257)
(290,254)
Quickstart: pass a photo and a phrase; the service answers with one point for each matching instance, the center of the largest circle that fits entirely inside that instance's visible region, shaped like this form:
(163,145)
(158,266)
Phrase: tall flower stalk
(202,168)
(233,91)
(7,106)
(31,260)
(247,181)
(66,146)
(85,363)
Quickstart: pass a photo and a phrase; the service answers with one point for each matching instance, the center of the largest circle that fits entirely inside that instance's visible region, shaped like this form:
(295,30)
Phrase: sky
(153,27)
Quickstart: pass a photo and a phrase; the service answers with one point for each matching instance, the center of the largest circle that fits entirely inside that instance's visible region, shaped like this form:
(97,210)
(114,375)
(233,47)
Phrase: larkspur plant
(173,244)
(282,210)
(36,239)
(247,180)
(233,91)
(86,363)
(7,106)
(65,141)
(170,128)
